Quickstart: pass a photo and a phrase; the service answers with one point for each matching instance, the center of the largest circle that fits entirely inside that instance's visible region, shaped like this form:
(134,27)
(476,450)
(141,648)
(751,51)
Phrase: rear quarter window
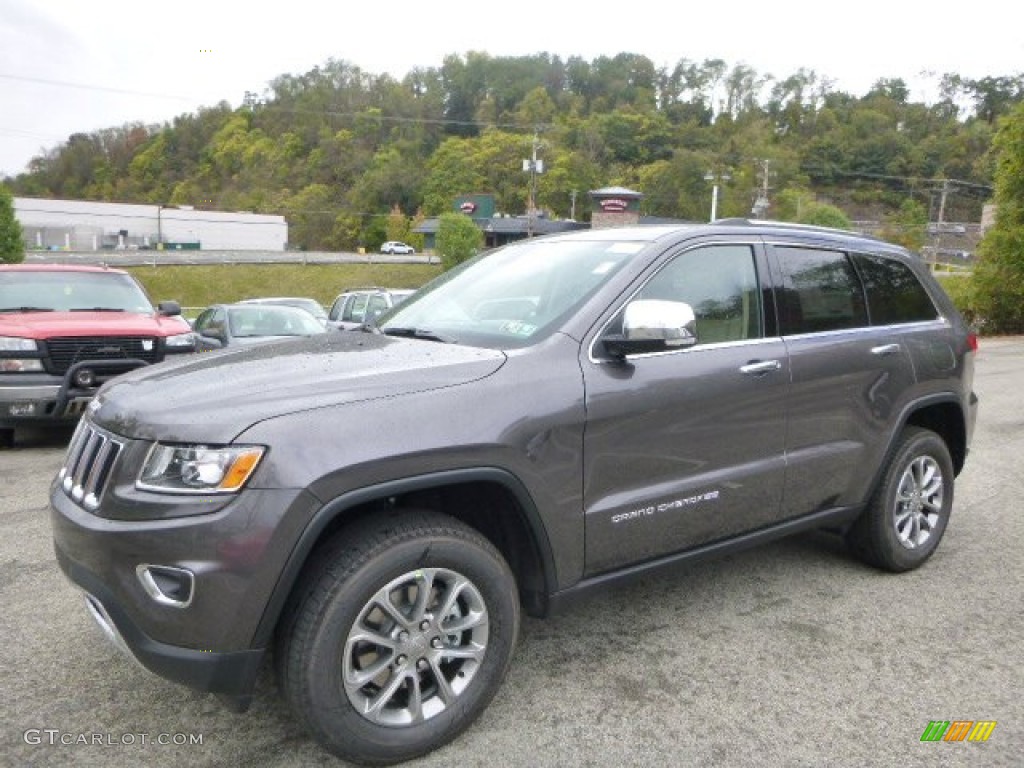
(894,293)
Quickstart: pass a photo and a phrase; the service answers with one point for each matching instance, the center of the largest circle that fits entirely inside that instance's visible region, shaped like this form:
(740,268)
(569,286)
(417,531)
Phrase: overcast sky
(68,66)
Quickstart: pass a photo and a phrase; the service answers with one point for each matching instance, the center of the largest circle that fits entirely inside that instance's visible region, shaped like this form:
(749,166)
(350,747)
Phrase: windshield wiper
(417,333)
(27,309)
(96,309)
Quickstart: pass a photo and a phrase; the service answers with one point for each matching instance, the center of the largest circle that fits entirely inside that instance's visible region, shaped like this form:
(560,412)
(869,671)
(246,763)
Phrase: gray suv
(547,418)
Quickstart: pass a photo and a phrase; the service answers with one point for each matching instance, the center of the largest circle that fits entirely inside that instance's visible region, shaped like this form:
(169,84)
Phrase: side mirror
(653,325)
(213,333)
(169,308)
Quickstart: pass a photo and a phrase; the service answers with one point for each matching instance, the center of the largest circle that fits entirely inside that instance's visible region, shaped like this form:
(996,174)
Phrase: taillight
(972,342)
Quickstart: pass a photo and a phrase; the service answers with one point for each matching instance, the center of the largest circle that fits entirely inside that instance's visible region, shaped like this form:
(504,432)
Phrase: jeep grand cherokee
(378,507)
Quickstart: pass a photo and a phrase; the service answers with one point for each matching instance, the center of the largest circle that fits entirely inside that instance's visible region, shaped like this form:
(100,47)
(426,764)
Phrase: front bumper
(39,399)
(235,556)
(232,674)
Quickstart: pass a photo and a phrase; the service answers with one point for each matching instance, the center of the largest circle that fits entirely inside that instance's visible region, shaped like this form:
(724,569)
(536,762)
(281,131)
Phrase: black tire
(6,437)
(909,510)
(334,677)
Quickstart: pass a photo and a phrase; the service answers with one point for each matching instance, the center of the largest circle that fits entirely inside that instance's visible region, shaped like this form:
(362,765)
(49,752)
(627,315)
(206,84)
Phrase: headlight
(20,364)
(198,468)
(181,341)
(16,344)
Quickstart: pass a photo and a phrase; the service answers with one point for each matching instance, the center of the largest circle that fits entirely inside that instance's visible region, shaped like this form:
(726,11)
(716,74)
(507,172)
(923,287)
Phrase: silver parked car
(357,307)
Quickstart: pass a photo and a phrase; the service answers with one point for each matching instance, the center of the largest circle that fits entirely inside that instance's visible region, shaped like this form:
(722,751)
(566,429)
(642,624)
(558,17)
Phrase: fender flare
(337,506)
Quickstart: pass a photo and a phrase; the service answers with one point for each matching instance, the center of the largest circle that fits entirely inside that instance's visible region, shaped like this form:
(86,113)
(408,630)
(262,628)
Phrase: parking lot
(789,655)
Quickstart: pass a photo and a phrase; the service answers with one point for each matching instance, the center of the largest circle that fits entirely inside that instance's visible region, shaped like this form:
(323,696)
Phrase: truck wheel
(401,635)
(907,515)
(6,438)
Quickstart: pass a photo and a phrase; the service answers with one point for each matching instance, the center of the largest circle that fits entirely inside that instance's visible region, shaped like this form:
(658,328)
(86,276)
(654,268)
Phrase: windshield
(71,291)
(310,305)
(271,320)
(510,297)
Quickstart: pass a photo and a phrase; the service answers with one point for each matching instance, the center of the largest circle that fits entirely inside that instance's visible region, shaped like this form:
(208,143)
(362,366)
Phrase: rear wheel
(402,638)
(909,511)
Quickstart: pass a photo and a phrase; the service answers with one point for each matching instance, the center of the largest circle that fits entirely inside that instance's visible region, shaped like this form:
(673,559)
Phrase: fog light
(22,409)
(166,584)
(85,378)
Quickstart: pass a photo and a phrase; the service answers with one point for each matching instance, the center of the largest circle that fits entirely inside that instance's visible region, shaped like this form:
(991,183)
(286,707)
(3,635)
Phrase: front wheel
(908,513)
(402,638)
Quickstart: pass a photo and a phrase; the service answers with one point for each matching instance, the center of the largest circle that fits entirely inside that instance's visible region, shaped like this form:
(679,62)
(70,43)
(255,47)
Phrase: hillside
(337,149)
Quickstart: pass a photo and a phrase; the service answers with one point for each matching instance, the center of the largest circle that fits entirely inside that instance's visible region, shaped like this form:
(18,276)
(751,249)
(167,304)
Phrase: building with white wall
(80,225)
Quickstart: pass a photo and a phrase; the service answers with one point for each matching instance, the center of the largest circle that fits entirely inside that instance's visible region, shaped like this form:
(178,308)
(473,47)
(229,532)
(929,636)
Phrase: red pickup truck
(65,330)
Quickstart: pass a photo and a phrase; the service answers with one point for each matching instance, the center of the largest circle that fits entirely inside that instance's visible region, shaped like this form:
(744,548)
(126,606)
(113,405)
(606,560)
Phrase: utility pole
(572,212)
(943,194)
(534,167)
(717,178)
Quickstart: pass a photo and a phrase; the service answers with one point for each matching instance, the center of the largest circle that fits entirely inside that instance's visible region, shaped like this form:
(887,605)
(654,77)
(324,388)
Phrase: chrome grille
(67,350)
(89,464)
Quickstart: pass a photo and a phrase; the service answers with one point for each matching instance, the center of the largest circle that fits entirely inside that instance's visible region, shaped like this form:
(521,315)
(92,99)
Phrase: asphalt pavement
(789,655)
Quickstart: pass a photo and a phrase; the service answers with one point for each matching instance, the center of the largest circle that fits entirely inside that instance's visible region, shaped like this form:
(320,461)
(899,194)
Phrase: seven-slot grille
(65,351)
(88,465)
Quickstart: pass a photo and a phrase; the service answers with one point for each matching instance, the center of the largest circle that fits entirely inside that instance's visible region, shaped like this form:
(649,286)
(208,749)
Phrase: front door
(685,447)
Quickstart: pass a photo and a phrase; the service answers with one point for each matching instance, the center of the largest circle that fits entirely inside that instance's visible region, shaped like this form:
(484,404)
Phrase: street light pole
(716,178)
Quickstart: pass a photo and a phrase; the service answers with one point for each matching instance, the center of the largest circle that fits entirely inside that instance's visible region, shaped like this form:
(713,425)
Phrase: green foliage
(336,148)
(12,246)
(997,285)
(825,215)
(398,225)
(908,226)
(458,239)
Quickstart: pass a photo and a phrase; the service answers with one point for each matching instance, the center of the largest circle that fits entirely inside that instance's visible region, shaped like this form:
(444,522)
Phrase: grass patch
(202,285)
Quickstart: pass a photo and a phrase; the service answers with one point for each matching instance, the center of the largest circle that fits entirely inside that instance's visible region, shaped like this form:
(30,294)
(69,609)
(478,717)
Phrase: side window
(376,307)
(720,283)
(336,308)
(356,309)
(820,291)
(203,321)
(895,295)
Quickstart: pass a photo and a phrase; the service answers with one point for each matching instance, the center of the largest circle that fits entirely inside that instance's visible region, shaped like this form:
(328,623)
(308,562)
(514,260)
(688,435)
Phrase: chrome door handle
(885,349)
(760,368)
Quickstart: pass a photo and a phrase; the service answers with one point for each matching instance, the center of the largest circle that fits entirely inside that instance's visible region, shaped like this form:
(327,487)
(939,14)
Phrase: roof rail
(739,221)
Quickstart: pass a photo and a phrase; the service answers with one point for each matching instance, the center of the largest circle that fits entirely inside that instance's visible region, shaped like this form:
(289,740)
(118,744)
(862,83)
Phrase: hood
(45,325)
(212,397)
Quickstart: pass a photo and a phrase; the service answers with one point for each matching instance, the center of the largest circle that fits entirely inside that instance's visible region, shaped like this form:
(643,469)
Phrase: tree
(997,285)
(458,239)
(12,246)
(908,226)
(825,215)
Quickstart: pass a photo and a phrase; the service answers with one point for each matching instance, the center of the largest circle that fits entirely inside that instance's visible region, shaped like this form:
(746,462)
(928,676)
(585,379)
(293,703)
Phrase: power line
(89,87)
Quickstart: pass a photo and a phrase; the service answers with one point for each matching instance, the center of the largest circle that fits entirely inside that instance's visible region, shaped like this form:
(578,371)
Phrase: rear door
(848,377)
(685,447)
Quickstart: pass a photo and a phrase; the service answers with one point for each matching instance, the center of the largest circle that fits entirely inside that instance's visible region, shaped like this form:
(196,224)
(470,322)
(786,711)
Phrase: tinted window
(821,291)
(720,283)
(895,295)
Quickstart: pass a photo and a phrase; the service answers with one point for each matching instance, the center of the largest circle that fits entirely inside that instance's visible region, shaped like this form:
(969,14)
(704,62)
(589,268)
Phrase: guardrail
(195,258)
